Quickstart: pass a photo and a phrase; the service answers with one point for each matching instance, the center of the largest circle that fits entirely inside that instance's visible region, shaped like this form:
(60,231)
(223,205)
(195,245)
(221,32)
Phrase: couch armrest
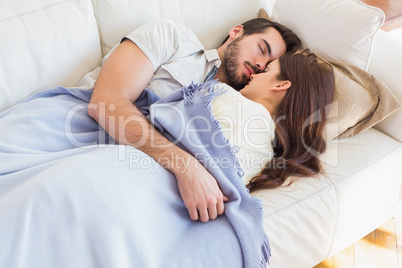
(386,65)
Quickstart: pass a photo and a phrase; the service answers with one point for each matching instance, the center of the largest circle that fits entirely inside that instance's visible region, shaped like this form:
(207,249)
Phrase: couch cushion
(341,30)
(45,43)
(118,18)
(360,101)
(317,217)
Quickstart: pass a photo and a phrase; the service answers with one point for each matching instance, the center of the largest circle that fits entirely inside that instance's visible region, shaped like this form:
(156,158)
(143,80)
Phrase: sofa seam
(97,15)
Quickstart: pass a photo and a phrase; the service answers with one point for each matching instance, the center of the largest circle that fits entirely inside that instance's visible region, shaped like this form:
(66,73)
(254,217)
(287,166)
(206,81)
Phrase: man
(164,56)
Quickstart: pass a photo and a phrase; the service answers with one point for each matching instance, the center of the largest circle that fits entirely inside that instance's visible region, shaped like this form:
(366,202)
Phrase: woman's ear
(282,85)
(236,32)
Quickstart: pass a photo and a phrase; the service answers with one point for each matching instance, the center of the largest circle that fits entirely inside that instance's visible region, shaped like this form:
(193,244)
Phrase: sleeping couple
(255,97)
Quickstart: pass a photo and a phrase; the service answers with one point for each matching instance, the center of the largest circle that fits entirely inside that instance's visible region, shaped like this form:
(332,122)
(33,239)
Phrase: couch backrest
(44,44)
(209,19)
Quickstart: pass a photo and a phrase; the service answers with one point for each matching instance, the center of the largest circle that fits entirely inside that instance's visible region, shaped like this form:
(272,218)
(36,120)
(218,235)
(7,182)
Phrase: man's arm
(123,77)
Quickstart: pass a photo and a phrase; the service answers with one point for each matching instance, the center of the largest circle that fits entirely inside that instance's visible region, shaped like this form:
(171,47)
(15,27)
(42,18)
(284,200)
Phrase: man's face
(251,54)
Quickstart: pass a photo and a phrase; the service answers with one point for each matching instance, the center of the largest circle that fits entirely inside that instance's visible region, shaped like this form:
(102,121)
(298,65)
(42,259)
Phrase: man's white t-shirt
(178,57)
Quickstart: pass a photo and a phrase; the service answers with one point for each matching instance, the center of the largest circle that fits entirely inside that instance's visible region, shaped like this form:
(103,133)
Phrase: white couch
(47,43)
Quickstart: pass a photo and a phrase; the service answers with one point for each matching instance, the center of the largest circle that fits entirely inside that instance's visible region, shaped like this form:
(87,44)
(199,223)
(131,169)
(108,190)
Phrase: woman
(298,89)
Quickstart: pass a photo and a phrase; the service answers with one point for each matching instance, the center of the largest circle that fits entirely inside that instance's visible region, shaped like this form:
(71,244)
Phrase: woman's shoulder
(248,126)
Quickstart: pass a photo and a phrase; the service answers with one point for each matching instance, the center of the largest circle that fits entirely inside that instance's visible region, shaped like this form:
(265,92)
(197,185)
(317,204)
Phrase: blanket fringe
(265,252)
(235,150)
(206,92)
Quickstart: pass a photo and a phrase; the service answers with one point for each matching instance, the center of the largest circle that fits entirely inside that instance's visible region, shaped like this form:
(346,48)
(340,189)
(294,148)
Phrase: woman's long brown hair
(299,120)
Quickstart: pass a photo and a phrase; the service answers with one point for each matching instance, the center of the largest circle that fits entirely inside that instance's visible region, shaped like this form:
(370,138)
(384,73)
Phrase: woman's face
(261,84)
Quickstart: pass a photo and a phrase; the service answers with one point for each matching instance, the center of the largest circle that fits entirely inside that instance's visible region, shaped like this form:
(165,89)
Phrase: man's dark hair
(259,25)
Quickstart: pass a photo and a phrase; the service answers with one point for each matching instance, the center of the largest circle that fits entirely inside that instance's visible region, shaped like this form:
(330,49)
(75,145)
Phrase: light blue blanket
(71,197)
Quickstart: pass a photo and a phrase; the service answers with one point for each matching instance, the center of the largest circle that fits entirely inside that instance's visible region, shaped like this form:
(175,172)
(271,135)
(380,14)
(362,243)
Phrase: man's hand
(200,192)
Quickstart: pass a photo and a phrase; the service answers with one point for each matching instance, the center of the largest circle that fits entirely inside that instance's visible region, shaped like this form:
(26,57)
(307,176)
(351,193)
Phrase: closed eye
(267,67)
(262,51)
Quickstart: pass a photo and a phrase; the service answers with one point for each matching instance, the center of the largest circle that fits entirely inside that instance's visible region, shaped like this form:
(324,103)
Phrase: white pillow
(341,30)
(247,125)
(44,44)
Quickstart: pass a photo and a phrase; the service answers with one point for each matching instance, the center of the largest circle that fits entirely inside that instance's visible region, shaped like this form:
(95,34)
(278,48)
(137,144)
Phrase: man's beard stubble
(230,63)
